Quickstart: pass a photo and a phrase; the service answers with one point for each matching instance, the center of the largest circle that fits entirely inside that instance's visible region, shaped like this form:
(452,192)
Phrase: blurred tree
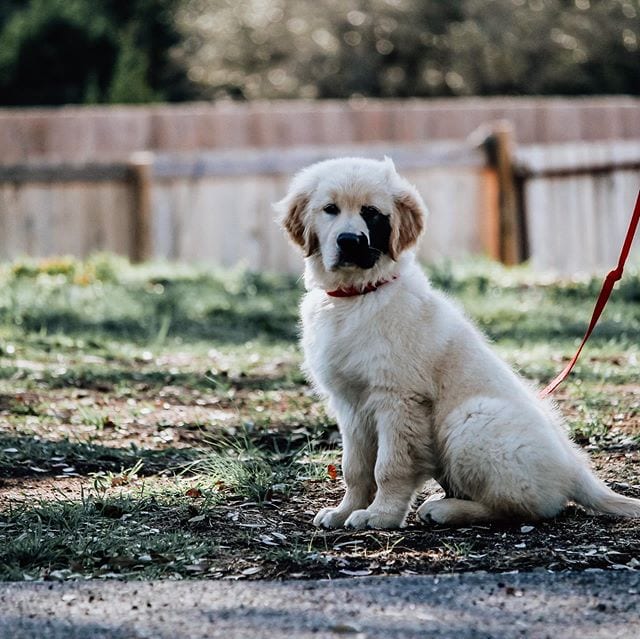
(129,81)
(66,51)
(71,51)
(341,48)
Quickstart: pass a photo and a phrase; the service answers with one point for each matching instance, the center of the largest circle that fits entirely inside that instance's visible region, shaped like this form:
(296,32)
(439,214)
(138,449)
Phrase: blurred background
(166,128)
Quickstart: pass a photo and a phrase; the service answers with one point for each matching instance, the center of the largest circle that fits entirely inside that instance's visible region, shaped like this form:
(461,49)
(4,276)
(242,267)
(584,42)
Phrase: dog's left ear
(407,221)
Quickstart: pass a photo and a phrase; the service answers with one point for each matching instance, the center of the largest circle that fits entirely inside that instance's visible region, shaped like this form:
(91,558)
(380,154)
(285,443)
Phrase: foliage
(105,296)
(129,83)
(400,48)
(72,51)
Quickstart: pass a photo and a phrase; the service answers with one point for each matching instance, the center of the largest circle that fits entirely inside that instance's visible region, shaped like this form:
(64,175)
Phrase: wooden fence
(563,207)
(575,203)
(100,134)
(216,206)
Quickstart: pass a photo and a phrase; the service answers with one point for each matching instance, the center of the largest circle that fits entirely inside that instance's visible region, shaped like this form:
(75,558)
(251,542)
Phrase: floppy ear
(407,222)
(293,209)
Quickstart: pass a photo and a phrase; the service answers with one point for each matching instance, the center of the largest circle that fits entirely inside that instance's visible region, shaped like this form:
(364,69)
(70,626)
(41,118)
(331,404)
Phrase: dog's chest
(346,353)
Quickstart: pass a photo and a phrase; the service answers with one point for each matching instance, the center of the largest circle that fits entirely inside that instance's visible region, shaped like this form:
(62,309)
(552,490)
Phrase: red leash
(603,298)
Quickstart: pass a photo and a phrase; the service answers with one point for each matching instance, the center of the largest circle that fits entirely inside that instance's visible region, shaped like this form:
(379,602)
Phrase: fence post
(490,214)
(141,171)
(500,145)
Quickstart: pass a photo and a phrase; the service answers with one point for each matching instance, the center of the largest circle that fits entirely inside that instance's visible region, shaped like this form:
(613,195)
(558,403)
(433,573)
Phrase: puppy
(416,389)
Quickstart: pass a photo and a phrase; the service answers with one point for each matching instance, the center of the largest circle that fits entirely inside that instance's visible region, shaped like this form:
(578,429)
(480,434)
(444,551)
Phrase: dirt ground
(273,537)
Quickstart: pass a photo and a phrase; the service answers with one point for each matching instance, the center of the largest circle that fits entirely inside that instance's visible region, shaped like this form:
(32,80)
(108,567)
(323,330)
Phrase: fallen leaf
(332,471)
(194,493)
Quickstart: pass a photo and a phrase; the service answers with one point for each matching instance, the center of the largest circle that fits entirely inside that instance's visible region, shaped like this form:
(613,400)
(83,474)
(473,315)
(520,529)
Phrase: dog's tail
(593,494)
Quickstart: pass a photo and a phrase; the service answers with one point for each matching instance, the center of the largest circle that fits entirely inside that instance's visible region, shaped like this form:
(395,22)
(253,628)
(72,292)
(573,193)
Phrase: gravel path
(587,605)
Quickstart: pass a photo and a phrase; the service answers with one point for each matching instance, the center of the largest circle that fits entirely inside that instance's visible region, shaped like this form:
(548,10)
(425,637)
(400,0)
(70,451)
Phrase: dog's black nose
(351,241)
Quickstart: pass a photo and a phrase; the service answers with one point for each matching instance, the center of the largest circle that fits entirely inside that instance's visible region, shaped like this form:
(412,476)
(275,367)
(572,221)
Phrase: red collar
(352,291)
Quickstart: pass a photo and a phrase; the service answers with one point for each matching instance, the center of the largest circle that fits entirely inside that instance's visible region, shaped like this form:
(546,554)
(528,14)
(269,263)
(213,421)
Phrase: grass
(84,303)
(154,423)
(124,536)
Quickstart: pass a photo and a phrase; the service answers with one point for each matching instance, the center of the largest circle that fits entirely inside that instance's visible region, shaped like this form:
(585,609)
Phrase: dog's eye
(331,209)
(369,212)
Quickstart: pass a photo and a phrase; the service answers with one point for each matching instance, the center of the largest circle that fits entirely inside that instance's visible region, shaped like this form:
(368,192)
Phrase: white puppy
(415,388)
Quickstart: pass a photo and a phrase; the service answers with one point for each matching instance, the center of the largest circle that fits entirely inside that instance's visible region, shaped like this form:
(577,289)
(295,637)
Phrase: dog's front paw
(330,518)
(372,519)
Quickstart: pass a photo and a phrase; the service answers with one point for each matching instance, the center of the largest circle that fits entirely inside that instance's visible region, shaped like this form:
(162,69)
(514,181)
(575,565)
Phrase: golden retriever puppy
(416,389)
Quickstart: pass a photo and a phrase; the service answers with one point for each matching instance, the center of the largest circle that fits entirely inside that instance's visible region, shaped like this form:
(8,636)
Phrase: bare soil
(274,538)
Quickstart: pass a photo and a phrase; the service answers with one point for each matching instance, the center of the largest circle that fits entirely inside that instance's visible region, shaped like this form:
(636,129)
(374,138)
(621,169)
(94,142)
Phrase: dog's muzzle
(354,250)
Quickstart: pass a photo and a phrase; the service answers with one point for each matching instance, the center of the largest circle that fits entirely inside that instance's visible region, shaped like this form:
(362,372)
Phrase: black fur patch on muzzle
(379,232)
(357,250)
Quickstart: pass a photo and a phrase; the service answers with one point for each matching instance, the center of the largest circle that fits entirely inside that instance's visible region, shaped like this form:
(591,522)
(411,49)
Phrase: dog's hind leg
(455,512)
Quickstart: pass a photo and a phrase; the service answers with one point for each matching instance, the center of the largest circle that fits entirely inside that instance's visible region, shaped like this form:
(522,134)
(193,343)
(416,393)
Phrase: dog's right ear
(293,209)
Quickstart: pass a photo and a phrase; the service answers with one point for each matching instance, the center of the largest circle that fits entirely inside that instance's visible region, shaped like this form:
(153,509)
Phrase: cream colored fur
(417,391)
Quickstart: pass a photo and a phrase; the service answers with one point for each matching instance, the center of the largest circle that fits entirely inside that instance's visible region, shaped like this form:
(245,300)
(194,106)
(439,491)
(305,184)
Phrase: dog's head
(351,214)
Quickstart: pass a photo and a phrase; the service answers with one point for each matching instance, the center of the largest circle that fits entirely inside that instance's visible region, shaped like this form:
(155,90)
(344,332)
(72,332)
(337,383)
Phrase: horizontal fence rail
(578,158)
(36,172)
(285,161)
(278,161)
